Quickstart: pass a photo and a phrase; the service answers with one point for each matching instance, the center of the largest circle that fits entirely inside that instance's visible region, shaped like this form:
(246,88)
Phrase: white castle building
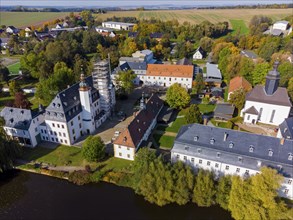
(74,112)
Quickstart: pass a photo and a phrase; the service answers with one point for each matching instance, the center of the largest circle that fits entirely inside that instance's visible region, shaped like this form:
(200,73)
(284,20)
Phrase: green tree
(177,97)
(206,44)
(199,83)
(246,68)
(259,73)
(223,191)
(14,87)
(93,148)
(124,81)
(4,74)
(193,115)
(237,98)
(290,88)
(285,70)
(204,190)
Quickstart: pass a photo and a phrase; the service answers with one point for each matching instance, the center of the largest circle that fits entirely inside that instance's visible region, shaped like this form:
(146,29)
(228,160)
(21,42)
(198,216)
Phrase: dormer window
(271,153)
(48,113)
(11,110)
(231,144)
(54,104)
(125,139)
(199,150)
(240,159)
(186,148)
(58,105)
(251,149)
(195,138)
(11,120)
(22,112)
(290,156)
(212,141)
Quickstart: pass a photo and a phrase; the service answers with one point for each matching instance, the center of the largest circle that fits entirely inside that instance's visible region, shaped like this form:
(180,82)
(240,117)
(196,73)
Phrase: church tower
(272,80)
(86,101)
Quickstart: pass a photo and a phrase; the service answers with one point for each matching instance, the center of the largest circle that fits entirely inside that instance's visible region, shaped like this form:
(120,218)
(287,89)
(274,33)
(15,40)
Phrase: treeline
(123,19)
(26,9)
(255,197)
(258,6)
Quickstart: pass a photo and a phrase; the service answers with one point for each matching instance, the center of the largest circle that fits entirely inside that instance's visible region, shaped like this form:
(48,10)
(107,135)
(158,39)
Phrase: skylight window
(271,153)
(195,138)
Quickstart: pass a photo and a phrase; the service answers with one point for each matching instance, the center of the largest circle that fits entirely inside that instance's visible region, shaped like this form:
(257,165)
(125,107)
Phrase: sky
(118,3)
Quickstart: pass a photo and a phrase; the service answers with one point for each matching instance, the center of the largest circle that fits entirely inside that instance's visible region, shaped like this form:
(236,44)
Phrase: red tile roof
(239,82)
(185,71)
(134,132)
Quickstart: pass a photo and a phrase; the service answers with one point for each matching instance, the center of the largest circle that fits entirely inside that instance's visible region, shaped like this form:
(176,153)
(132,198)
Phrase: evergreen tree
(193,115)
(204,190)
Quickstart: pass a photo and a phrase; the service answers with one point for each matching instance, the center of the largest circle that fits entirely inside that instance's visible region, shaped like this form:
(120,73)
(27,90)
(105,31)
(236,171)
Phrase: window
(36,129)
(56,139)
(120,154)
(248,117)
(260,113)
(272,116)
(195,138)
(55,133)
(128,148)
(62,126)
(208,163)
(61,140)
(185,158)
(79,125)
(286,191)
(45,131)
(212,141)
(78,117)
(47,138)
(60,134)
(170,79)
(192,160)
(52,139)
(74,138)
(217,165)
(119,147)
(290,156)
(178,156)
(64,135)
(53,124)
(227,167)
(71,123)
(251,149)
(181,79)
(271,153)
(231,144)
(51,132)
(199,150)
(200,161)
(246,172)
(58,125)
(237,170)
(218,154)
(73,131)
(42,131)
(65,141)
(289,182)
(128,155)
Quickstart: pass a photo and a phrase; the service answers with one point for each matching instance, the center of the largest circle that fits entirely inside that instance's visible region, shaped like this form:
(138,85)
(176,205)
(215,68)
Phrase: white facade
(118,25)
(197,55)
(267,113)
(124,152)
(165,81)
(228,169)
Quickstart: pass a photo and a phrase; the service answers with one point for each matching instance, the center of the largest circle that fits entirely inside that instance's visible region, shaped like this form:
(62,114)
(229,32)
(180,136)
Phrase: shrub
(79,177)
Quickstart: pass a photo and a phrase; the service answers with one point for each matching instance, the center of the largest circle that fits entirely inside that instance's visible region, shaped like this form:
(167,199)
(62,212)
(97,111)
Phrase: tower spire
(272,80)
(82,85)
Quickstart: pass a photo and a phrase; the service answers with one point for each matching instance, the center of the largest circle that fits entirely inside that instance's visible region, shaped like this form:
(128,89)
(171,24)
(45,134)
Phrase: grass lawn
(239,26)
(60,156)
(226,94)
(3,100)
(176,125)
(206,108)
(115,164)
(219,124)
(164,141)
(14,68)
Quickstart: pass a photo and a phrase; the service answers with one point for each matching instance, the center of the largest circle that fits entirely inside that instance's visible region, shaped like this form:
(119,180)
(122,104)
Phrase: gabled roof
(119,23)
(286,128)
(17,118)
(252,110)
(184,71)
(199,49)
(258,94)
(224,111)
(213,71)
(134,132)
(241,142)
(184,61)
(282,22)
(132,34)
(66,104)
(276,32)
(239,82)
(4,40)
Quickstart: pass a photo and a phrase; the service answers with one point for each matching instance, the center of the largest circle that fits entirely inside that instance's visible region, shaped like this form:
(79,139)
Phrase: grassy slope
(239,25)
(14,68)
(23,19)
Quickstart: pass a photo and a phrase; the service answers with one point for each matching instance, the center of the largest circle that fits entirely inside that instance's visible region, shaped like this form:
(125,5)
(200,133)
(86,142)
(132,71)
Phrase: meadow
(194,16)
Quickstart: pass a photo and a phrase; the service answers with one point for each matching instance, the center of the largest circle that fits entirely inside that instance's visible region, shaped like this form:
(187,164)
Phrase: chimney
(282,140)
(225,136)
(205,121)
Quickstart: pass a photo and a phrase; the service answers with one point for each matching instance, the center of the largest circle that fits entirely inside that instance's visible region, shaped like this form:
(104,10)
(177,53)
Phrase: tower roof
(274,72)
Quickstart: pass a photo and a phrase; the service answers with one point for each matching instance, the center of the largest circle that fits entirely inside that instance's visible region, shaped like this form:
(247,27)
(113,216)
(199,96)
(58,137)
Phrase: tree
(259,73)
(237,98)
(14,87)
(223,191)
(257,197)
(124,81)
(206,44)
(258,24)
(199,83)
(285,70)
(21,101)
(290,88)
(193,115)
(177,97)
(93,148)
(204,190)
(4,74)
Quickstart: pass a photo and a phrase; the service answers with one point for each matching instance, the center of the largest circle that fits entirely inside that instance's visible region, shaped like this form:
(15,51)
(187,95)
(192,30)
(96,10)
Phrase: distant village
(261,128)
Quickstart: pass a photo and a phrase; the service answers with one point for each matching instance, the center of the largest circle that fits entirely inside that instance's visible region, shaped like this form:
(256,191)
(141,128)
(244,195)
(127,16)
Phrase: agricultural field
(197,16)
(23,19)
(239,26)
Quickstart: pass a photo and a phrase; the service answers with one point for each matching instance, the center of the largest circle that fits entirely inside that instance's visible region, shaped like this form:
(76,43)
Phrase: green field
(14,68)
(23,19)
(194,16)
(239,26)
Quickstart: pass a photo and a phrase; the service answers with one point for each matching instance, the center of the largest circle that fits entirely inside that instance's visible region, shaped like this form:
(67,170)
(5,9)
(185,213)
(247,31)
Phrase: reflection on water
(32,196)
